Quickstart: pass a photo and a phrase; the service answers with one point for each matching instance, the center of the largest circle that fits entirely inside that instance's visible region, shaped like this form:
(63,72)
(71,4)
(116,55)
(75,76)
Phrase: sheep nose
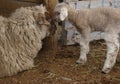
(55,19)
(73,38)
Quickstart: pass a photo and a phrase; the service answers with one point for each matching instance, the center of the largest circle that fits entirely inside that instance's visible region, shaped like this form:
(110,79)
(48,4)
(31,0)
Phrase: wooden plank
(8,6)
(31,1)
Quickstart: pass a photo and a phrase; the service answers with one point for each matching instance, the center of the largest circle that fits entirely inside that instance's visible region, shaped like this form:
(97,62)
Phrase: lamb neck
(72,15)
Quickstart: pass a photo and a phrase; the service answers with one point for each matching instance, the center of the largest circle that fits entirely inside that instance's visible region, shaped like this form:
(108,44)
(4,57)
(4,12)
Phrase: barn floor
(60,68)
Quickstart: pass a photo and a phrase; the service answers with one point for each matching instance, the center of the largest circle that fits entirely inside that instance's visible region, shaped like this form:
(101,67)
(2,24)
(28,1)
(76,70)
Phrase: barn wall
(8,6)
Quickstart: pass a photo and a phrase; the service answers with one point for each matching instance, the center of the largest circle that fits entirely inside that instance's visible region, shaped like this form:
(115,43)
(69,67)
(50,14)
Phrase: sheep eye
(76,33)
(57,13)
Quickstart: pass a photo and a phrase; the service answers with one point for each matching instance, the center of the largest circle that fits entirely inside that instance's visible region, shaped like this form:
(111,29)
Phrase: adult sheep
(21,37)
(103,19)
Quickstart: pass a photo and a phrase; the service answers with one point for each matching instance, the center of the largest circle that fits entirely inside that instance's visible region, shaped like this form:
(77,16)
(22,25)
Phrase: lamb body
(21,37)
(103,19)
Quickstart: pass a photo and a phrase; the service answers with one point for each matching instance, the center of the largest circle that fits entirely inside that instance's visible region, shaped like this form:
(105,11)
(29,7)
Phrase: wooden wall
(8,6)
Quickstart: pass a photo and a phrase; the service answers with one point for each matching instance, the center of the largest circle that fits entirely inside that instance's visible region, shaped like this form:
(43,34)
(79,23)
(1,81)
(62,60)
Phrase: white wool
(86,21)
(20,40)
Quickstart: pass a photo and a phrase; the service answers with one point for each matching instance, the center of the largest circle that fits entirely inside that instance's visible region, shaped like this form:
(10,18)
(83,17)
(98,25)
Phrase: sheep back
(20,41)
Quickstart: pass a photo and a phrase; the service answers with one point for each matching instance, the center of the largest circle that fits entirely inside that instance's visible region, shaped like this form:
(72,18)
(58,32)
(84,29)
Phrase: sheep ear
(41,5)
(67,3)
(63,13)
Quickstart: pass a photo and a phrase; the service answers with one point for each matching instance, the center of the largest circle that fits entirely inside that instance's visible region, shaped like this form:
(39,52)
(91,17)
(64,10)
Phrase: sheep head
(61,12)
(43,24)
(40,20)
(43,18)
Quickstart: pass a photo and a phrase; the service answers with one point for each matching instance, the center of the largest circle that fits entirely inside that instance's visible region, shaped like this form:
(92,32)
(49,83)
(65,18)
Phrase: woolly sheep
(103,19)
(21,37)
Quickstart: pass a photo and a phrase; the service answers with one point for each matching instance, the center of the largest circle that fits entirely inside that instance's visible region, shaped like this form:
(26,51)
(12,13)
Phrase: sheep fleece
(20,41)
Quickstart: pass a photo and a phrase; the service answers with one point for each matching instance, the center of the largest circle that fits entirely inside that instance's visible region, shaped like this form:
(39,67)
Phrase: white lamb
(103,19)
(21,37)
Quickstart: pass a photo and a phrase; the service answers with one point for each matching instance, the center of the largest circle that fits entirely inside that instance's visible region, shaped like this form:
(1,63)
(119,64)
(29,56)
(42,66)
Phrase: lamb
(21,36)
(103,19)
(93,36)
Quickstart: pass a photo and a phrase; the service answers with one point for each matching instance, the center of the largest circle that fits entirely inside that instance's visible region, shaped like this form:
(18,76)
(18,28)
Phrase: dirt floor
(60,68)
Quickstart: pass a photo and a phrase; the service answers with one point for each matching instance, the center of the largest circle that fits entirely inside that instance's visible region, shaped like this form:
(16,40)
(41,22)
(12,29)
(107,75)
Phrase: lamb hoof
(106,70)
(81,62)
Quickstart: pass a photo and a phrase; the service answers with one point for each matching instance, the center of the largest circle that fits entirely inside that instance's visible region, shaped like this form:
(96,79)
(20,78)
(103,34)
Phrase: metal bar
(89,5)
(103,3)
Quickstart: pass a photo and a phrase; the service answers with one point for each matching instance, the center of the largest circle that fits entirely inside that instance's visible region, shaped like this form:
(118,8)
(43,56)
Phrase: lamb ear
(63,13)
